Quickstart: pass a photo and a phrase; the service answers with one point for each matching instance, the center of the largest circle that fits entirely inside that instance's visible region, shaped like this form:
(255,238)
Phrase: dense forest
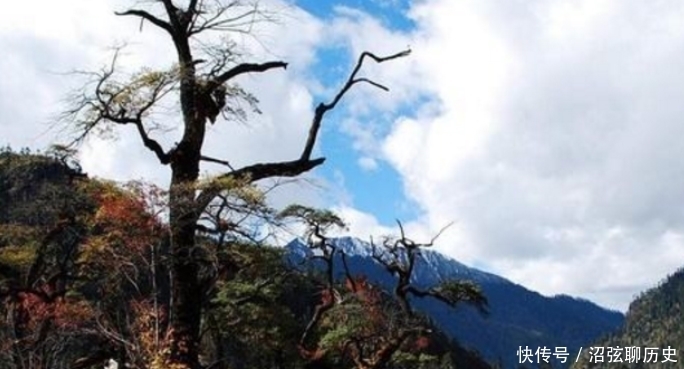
(189,276)
(183,277)
(654,321)
(84,278)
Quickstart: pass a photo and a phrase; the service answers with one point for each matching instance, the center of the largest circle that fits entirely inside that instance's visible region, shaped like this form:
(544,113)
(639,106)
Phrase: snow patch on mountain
(431,268)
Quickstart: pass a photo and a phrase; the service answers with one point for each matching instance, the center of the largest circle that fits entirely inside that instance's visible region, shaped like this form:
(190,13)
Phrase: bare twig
(323,108)
(148,17)
(293,168)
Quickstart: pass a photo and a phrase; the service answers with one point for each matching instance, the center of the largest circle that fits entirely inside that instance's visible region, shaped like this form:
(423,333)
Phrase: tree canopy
(87,282)
(179,277)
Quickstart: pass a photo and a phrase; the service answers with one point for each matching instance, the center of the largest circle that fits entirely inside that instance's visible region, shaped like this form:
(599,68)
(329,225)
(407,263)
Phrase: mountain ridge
(652,320)
(518,316)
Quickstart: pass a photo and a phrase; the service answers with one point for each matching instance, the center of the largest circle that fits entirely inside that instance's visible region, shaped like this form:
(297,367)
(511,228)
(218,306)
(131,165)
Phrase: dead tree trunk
(202,97)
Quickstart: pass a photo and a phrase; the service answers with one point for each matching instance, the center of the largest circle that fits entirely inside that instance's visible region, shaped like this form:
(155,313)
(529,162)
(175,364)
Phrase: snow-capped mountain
(517,316)
(431,268)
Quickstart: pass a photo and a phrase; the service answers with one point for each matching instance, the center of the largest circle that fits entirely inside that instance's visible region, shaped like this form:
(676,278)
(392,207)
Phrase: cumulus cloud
(548,132)
(555,142)
(45,43)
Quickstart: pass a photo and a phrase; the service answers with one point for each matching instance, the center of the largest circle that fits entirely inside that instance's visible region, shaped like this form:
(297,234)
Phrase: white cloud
(551,137)
(367,163)
(45,41)
(555,145)
(62,39)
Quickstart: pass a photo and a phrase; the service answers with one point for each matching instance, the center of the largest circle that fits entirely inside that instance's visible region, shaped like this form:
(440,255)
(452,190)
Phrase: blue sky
(377,191)
(392,13)
(547,132)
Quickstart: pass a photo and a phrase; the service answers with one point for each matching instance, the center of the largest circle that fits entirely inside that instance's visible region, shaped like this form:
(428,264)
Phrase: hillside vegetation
(84,278)
(654,320)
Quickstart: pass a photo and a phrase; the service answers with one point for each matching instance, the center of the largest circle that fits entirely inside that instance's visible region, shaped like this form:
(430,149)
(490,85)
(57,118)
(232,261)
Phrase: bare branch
(366,80)
(242,69)
(401,229)
(392,266)
(217,161)
(432,241)
(149,17)
(171,10)
(323,108)
(192,7)
(305,163)
(202,23)
(152,144)
(243,22)
(255,173)
(128,102)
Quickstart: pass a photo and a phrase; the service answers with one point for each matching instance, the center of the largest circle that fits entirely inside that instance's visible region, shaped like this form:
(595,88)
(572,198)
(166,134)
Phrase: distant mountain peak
(517,317)
(432,266)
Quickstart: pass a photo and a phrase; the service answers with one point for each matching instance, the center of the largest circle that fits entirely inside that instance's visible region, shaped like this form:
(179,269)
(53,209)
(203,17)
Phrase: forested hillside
(84,278)
(516,316)
(653,331)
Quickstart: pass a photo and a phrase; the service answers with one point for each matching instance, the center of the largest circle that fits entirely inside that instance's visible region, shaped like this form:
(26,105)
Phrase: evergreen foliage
(654,320)
(84,277)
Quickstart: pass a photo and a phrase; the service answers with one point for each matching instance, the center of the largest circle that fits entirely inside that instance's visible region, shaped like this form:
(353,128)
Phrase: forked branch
(216,19)
(242,69)
(148,17)
(293,168)
(400,256)
(122,103)
(323,108)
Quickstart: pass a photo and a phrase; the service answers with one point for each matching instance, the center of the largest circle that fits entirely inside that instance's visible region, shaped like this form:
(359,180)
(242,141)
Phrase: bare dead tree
(391,322)
(318,223)
(203,81)
(399,256)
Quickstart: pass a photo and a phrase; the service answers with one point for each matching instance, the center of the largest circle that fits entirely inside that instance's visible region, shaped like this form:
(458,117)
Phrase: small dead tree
(399,257)
(203,81)
(368,327)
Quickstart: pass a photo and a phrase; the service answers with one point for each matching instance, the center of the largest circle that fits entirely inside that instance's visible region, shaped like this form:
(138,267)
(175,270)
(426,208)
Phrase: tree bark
(186,201)
(186,292)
